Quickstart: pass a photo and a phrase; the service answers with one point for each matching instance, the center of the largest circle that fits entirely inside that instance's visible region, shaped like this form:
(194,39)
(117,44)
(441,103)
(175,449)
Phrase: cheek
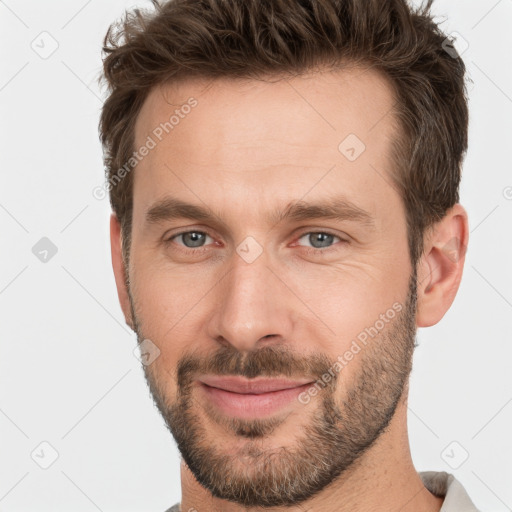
(347,297)
(168,302)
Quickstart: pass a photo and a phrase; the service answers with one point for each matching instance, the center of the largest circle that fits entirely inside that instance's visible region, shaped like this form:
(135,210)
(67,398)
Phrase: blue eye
(191,239)
(320,239)
(195,242)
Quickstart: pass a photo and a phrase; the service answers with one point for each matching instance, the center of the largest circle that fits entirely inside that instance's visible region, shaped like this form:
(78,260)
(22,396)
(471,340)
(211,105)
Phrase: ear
(119,268)
(440,267)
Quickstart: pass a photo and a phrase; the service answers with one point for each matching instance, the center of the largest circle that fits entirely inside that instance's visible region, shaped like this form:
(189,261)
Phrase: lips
(250,398)
(257,386)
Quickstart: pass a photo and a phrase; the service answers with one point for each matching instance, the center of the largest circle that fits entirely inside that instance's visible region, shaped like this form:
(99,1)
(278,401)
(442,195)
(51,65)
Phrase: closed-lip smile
(250,398)
(260,385)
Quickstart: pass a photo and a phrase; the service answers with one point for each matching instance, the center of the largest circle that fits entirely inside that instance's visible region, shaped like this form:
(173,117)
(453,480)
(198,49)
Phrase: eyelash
(308,250)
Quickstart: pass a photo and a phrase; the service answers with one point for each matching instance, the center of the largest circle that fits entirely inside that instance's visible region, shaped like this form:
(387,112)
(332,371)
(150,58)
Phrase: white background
(67,369)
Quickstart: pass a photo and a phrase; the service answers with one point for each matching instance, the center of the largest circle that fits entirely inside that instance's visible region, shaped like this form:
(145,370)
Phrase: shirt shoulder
(446,486)
(174,508)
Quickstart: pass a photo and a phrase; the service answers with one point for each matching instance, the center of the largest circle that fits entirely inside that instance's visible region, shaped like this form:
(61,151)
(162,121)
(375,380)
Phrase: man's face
(254,293)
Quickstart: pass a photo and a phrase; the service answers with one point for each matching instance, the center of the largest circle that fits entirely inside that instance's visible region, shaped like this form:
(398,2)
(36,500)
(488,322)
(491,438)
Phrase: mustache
(269,361)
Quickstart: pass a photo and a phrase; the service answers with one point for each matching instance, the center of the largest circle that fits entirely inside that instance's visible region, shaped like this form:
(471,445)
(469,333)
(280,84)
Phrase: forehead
(350,100)
(266,139)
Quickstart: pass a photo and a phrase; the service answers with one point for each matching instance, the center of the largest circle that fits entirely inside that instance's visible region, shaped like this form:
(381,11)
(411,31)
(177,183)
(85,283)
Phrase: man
(284,178)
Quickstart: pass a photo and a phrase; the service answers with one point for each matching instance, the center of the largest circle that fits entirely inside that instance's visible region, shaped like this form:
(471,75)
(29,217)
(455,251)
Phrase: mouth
(244,398)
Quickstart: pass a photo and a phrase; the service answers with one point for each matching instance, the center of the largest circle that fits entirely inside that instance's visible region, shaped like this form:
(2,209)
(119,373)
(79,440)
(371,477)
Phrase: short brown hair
(261,38)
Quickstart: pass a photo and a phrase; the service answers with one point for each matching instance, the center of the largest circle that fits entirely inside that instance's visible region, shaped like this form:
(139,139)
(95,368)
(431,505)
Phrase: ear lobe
(119,268)
(441,266)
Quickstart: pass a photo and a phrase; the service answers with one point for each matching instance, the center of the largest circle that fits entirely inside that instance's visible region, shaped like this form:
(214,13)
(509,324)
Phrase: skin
(247,149)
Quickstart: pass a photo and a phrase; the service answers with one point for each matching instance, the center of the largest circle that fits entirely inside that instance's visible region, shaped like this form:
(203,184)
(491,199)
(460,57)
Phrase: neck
(382,479)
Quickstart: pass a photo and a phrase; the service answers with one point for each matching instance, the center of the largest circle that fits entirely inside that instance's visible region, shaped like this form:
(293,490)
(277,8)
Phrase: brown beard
(333,439)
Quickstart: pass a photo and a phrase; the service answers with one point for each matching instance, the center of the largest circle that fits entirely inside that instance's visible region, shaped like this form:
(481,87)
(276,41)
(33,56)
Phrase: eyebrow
(334,208)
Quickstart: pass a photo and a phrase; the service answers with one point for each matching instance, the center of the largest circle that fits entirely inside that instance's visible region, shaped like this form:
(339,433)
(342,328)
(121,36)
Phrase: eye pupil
(325,239)
(195,237)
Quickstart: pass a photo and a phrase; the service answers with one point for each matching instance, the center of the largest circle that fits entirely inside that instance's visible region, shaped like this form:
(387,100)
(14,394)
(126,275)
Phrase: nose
(251,305)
